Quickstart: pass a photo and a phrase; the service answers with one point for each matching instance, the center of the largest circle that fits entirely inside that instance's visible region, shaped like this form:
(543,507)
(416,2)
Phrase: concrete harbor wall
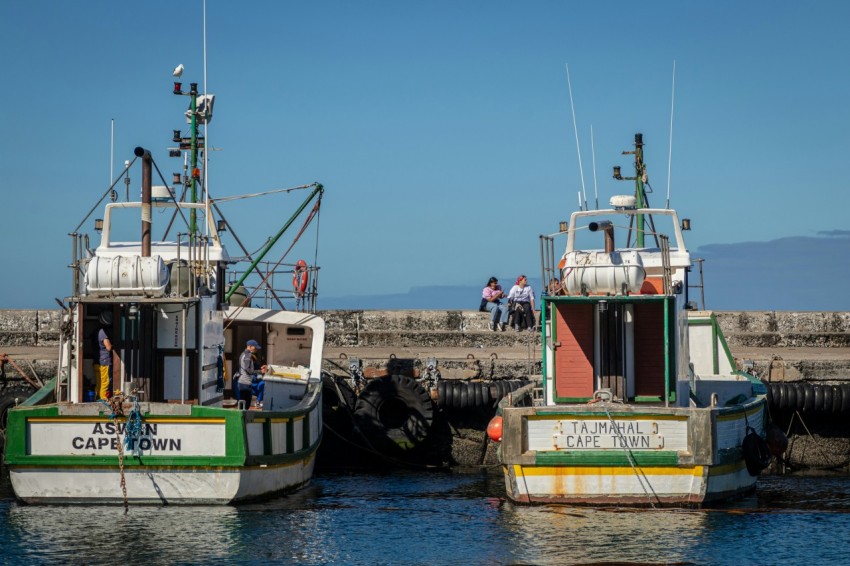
(780,345)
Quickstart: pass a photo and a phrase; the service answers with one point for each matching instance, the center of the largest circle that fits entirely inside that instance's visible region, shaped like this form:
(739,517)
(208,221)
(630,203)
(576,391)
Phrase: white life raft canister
(603,273)
(126,276)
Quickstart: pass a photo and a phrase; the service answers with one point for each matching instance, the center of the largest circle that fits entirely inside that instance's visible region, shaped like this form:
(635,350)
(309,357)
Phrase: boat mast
(194,144)
(193,183)
(640,192)
(640,180)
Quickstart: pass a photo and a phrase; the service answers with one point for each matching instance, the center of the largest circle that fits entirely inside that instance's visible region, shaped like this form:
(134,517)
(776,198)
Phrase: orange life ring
(299,280)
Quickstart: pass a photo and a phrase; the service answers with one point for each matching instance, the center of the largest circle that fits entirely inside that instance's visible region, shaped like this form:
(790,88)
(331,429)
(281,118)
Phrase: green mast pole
(640,195)
(193,184)
(318,189)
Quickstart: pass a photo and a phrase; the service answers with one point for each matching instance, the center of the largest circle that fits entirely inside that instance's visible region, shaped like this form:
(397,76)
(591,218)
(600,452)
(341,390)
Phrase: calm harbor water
(436,518)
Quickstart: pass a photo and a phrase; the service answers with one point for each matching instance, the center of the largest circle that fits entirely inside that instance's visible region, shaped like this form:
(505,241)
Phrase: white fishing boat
(641,401)
(168,434)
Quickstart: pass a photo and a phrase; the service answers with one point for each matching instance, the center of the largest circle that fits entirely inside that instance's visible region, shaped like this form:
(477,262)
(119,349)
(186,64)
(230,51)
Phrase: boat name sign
(601,435)
(57,438)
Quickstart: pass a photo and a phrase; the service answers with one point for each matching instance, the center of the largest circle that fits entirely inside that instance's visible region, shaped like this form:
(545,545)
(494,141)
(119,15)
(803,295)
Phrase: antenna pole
(575,129)
(593,155)
(670,153)
(112,150)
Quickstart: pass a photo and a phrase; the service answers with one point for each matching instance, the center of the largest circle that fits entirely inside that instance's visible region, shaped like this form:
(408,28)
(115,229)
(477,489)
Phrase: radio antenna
(670,153)
(593,156)
(575,128)
(111,150)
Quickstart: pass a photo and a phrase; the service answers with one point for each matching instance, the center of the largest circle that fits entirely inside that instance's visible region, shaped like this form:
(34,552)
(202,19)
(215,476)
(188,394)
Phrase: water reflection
(558,535)
(435,518)
(106,535)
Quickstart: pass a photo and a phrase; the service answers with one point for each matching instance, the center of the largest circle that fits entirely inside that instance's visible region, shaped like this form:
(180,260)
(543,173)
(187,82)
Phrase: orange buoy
(300,277)
(494,429)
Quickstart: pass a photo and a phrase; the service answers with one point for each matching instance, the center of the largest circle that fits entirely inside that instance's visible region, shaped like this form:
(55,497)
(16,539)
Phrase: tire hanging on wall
(11,396)
(394,412)
(812,398)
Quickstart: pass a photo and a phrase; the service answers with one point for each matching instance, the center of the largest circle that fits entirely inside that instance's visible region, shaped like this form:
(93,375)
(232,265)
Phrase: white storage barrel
(603,273)
(126,276)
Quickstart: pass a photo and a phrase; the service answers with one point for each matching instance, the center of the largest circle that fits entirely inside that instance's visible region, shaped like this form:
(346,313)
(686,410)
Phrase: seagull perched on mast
(178,70)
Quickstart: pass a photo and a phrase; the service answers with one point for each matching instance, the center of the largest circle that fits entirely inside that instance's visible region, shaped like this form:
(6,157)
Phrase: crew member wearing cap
(247,371)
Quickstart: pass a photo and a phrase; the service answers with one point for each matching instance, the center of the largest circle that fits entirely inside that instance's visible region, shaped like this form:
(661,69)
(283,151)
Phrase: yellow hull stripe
(739,416)
(605,471)
(154,420)
(732,468)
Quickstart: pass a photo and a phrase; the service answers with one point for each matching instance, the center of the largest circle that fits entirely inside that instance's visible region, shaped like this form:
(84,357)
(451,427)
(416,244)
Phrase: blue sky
(441,130)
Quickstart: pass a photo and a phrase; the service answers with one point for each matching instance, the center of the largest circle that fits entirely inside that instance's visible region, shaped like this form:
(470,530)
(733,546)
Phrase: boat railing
(522,397)
(701,286)
(271,287)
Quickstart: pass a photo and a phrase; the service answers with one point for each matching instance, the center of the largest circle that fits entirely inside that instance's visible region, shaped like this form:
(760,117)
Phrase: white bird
(178,70)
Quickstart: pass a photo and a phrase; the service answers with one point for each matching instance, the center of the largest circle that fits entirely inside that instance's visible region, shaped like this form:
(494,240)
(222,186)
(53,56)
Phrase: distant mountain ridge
(795,273)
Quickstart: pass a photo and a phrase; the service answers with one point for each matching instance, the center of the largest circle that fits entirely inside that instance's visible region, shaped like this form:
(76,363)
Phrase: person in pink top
(491,300)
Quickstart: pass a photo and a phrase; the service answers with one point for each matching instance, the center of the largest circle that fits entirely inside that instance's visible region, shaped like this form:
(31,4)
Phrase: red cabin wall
(574,358)
(649,349)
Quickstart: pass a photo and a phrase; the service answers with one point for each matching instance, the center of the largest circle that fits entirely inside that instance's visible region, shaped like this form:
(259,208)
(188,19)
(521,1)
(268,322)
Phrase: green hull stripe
(236,441)
(605,458)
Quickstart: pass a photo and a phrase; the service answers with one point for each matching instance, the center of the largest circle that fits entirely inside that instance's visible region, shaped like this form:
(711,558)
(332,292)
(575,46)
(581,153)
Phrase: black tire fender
(818,391)
(464,395)
(791,404)
(395,409)
(11,396)
(441,394)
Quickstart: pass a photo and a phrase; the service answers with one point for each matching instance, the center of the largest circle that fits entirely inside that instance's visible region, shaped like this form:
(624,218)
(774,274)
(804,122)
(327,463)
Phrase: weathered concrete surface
(781,345)
(812,346)
(790,346)
(29,327)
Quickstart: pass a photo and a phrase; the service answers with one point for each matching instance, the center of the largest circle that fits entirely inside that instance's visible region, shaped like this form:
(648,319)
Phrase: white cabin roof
(167,250)
(679,256)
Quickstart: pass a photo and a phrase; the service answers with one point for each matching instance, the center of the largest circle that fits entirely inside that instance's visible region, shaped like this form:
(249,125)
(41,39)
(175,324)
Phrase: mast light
(617,174)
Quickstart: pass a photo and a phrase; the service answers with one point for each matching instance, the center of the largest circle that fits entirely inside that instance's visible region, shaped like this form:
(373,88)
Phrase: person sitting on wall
(247,377)
(522,299)
(491,301)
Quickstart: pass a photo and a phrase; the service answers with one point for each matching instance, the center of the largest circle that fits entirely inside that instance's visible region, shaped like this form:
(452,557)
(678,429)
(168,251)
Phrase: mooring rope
(132,435)
(641,476)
